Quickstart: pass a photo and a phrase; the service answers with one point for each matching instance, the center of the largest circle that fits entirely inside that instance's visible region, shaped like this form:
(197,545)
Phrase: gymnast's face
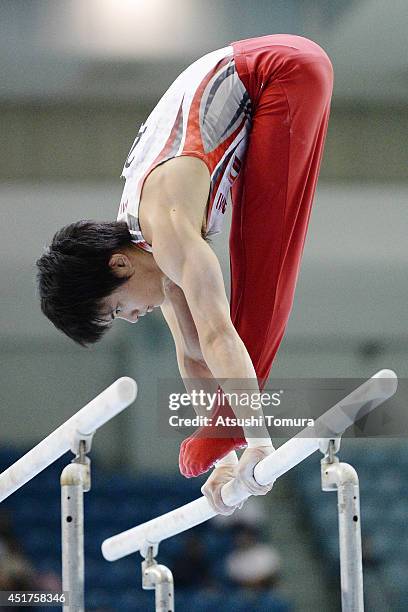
(143,290)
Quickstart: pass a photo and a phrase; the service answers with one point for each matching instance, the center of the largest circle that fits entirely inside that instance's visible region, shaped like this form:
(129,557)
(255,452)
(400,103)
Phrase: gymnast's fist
(211,489)
(245,473)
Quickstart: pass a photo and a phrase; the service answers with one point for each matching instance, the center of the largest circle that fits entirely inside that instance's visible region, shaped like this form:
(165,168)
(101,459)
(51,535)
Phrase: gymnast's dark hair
(73,276)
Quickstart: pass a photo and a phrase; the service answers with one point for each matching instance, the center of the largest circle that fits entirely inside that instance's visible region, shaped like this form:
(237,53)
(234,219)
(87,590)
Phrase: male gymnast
(249,120)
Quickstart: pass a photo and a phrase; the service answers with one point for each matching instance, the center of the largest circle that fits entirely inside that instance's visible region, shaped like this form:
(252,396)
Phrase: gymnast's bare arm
(188,175)
(178,317)
(192,366)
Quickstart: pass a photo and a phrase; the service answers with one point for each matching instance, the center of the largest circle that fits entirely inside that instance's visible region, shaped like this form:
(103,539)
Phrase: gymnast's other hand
(245,473)
(211,489)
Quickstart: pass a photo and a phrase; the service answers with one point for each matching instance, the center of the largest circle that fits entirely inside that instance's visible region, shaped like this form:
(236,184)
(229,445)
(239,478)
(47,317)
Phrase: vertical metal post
(159,578)
(343,478)
(351,569)
(75,479)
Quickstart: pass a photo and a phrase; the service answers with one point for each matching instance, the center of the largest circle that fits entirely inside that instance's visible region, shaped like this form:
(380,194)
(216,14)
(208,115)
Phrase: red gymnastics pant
(289,80)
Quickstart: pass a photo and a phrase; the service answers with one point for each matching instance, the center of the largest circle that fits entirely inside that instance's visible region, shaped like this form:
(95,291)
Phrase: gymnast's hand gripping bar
(80,426)
(330,425)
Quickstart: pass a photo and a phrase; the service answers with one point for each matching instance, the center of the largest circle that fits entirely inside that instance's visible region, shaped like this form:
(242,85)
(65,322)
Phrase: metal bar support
(159,578)
(75,480)
(343,478)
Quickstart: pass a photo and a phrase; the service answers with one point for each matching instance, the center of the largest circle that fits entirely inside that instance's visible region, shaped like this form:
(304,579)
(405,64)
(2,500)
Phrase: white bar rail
(87,420)
(331,424)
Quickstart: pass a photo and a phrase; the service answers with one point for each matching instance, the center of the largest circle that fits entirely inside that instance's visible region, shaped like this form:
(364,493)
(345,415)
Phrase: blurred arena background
(77,80)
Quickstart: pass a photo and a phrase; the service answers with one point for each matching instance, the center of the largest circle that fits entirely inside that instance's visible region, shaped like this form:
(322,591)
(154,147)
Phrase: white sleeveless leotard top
(206,113)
